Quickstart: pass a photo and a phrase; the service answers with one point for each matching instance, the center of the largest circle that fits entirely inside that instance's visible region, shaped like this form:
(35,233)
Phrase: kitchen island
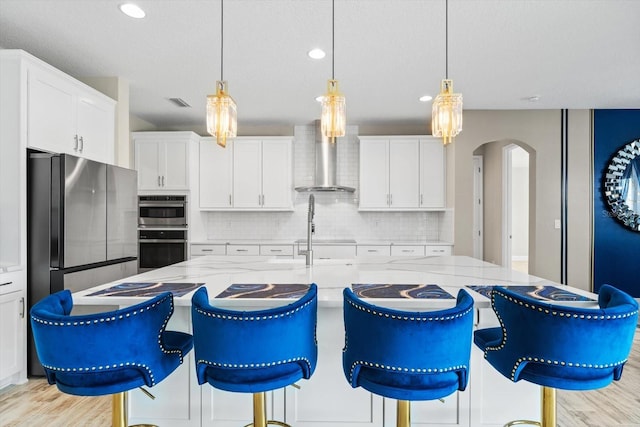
(326,399)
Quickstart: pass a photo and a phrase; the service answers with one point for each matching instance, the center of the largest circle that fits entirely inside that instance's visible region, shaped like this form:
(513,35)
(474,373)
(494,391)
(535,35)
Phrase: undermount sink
(327,241)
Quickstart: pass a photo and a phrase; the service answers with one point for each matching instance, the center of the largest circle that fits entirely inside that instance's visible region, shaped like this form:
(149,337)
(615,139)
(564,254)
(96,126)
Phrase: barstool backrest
(109,352)
(565,347)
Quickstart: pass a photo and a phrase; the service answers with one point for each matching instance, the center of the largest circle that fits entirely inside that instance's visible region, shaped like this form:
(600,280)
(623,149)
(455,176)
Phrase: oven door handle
(162,241)
(161,205)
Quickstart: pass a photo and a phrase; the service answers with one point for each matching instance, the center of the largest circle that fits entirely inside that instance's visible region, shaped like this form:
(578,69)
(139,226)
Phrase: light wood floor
(38,404)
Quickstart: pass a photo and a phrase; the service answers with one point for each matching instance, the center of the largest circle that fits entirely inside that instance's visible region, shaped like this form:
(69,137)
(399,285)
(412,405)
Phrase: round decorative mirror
(622,185)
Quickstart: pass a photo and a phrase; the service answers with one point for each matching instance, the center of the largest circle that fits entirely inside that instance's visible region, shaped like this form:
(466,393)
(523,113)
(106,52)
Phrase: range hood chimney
(326,165)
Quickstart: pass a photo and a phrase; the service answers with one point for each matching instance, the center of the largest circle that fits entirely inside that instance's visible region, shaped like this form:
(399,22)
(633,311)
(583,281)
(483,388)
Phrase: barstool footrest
(273,423)
(523,422)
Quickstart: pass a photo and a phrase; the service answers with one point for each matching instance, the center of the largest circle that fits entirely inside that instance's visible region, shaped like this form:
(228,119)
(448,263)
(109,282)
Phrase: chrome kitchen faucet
(308,254)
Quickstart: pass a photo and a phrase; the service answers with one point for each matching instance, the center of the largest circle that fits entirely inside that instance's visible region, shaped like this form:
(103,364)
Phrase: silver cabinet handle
(390,199)
(75,143)
(5,283)
(229,199)
(159,184)
(207,250)
(241,250)
(22,308)
(421,200)
(387,199)
(407,250)
(81,144)
(275,250)
(372,250)
(163,180)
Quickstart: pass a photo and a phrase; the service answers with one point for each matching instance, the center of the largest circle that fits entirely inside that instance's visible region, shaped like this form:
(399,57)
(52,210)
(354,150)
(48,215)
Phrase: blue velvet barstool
(407,355)
(255,351)
(559,347)
(107,353)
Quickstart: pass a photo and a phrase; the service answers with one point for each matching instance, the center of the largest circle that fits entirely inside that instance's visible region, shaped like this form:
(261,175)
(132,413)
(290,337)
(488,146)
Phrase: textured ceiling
(569,53)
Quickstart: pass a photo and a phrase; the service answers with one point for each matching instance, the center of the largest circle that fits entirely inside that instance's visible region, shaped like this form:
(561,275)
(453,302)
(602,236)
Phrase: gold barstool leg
(548,407)
(259,409)
(403,418)
(119,410)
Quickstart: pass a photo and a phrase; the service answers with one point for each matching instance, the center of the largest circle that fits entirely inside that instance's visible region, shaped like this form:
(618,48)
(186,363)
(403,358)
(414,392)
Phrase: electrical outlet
(556,224)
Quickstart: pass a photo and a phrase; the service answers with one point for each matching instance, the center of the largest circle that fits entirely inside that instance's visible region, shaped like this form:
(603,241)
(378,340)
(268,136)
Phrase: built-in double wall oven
(162,231)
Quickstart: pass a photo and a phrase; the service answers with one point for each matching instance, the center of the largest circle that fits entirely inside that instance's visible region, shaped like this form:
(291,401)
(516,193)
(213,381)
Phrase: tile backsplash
(336,214)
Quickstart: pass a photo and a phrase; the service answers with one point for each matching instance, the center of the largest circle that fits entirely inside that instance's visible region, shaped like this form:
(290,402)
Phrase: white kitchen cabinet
(432,174)
(162,159)
(327,399)
(407,250)
(246,250)
(401,173)
(13,328)
(452,411)
(66,116)
(437,250)
(262,171)
(216,174)
(249,174)
(328,251)
(373,250)
(208,249)
(282,251)
(490,389)
(389,173)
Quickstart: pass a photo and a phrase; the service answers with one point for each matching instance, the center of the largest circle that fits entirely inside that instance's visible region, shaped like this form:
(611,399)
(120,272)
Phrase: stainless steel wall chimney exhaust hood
(326,166)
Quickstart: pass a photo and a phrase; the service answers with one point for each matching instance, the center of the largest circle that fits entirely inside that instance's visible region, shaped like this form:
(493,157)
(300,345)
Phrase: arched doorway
(506,184)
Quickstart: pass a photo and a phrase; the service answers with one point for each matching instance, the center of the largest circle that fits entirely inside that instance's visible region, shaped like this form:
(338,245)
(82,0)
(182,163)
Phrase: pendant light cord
(221,40)
(333,39)
(446,39)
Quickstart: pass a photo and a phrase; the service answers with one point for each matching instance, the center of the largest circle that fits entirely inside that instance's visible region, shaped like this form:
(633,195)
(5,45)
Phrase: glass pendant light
(446,116)
(222,121)
(333,121)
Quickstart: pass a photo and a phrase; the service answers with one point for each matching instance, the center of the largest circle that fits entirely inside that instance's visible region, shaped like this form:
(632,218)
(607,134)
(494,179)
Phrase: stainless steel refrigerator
(82,225)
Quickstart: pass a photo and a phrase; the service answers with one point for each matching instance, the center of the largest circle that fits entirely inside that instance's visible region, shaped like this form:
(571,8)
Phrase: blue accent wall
(616,248)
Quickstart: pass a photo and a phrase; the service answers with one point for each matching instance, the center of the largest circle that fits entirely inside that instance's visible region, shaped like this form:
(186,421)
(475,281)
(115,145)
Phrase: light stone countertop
(332,275)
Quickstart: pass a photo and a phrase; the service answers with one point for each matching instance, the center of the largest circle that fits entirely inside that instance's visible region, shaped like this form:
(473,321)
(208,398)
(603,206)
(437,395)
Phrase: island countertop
(217,273)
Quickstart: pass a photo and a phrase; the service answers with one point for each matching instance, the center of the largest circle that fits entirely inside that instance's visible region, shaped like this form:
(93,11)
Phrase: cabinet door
(147,161)
(452,411)
(50,121)
(95,121)
(404,175)
(276,174)
(174,174)
(374,173)
(327,399)
(432,174)
(247,173)
(12,333)
(216,174)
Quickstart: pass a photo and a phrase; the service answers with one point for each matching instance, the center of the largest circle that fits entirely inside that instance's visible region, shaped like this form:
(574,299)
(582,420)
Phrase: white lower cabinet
(177,398)
(327,399)
(496,400)
(453,411)
(12,337)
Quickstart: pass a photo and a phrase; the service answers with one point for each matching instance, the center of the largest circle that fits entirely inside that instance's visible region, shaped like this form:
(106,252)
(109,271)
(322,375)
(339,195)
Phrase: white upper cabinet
(249,174)
(65,116)
(401,173)
(216,174)
(432,174)
(162,159)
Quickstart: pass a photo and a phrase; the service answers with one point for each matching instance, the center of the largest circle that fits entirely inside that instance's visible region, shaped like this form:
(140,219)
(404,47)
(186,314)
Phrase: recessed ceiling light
(534,98)
(132,10)
(426,98)
(316,53)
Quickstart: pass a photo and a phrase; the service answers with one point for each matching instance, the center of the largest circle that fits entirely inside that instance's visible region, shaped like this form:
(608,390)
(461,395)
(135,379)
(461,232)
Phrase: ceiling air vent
(180,102)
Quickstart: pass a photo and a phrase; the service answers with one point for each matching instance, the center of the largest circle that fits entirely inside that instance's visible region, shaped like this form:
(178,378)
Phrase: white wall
(539,130)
